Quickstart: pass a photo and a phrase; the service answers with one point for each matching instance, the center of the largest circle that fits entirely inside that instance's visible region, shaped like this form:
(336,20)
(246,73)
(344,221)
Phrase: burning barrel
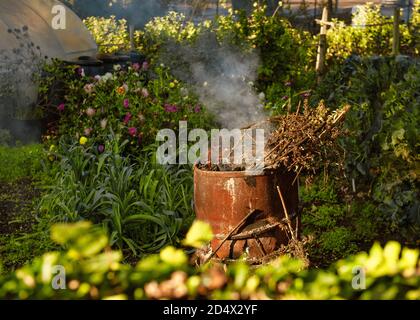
(246,211)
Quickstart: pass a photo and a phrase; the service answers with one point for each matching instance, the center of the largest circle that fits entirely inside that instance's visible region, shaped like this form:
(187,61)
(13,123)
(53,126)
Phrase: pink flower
(127,118)
(90,112)
(197,109)
(171,108)
(126,103)
(89,88)
(61,107)
(132,131)
(88,131)
(80,72)
(101,148)
(145,93)
(136,66)
(145,66)
(285,98)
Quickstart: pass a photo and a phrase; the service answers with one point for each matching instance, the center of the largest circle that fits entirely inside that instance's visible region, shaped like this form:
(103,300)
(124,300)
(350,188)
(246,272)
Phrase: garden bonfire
(257,208)
(295,142)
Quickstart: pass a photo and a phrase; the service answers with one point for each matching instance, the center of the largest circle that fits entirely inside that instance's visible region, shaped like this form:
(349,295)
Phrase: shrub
(95,272)
(134,103)
(110,34)
(373,39)
(286,54)
(144,206)
(383,126)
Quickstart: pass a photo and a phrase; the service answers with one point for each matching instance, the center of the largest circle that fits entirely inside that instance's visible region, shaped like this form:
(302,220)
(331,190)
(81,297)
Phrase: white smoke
(222,75)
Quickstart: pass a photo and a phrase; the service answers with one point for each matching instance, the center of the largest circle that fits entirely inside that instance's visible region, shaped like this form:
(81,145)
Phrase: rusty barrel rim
(236,174)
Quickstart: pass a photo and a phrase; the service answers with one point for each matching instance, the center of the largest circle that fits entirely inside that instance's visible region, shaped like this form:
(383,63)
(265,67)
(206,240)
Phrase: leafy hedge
(93,271)
(287,54)
(287,69)
(382,148)
(371,34)
(110,34)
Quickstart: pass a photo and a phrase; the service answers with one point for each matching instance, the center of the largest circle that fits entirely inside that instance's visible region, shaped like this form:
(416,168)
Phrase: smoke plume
(222,75)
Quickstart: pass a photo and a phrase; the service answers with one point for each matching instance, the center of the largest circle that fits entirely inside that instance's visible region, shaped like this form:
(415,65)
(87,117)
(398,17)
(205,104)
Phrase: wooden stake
(396,32)
(322,49)
(289,222)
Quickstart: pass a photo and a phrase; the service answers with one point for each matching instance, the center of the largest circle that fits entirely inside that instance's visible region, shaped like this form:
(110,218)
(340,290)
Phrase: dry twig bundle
(303,141)
(295,142)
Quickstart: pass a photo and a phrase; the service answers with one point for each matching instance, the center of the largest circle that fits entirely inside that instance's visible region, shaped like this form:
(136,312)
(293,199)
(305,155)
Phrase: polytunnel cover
(26,36)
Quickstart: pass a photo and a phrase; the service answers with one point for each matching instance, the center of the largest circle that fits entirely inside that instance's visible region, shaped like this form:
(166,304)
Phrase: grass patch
(20,162)
(23,233)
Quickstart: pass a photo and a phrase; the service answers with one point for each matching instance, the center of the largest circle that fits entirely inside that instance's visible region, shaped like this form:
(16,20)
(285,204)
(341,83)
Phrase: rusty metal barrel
(224,199)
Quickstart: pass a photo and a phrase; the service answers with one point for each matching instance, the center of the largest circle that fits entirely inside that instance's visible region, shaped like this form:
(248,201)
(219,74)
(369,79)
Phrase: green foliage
(415,25)
(326,216)
(338,226)
(318,192)
(199,234)
(398,179)
(332,234)
(20,162)
(286,54)
(29,240)
(134,103)
(172,27)
(371,34)
(93,271)
(145,206)
(110,34)
(382,149)
(338,242)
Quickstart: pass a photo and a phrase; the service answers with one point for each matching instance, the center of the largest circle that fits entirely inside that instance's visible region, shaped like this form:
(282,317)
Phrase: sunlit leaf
(199,235)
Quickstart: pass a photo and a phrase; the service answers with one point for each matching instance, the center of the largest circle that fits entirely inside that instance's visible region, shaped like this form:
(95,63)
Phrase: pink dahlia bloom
(90,112)
(171,108)
(126,103)
(127,118)
(61,107)
(136,66)
(132,131)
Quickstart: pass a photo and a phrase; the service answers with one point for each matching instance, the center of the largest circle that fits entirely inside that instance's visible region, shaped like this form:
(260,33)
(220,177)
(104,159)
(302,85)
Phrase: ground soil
(16,205)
